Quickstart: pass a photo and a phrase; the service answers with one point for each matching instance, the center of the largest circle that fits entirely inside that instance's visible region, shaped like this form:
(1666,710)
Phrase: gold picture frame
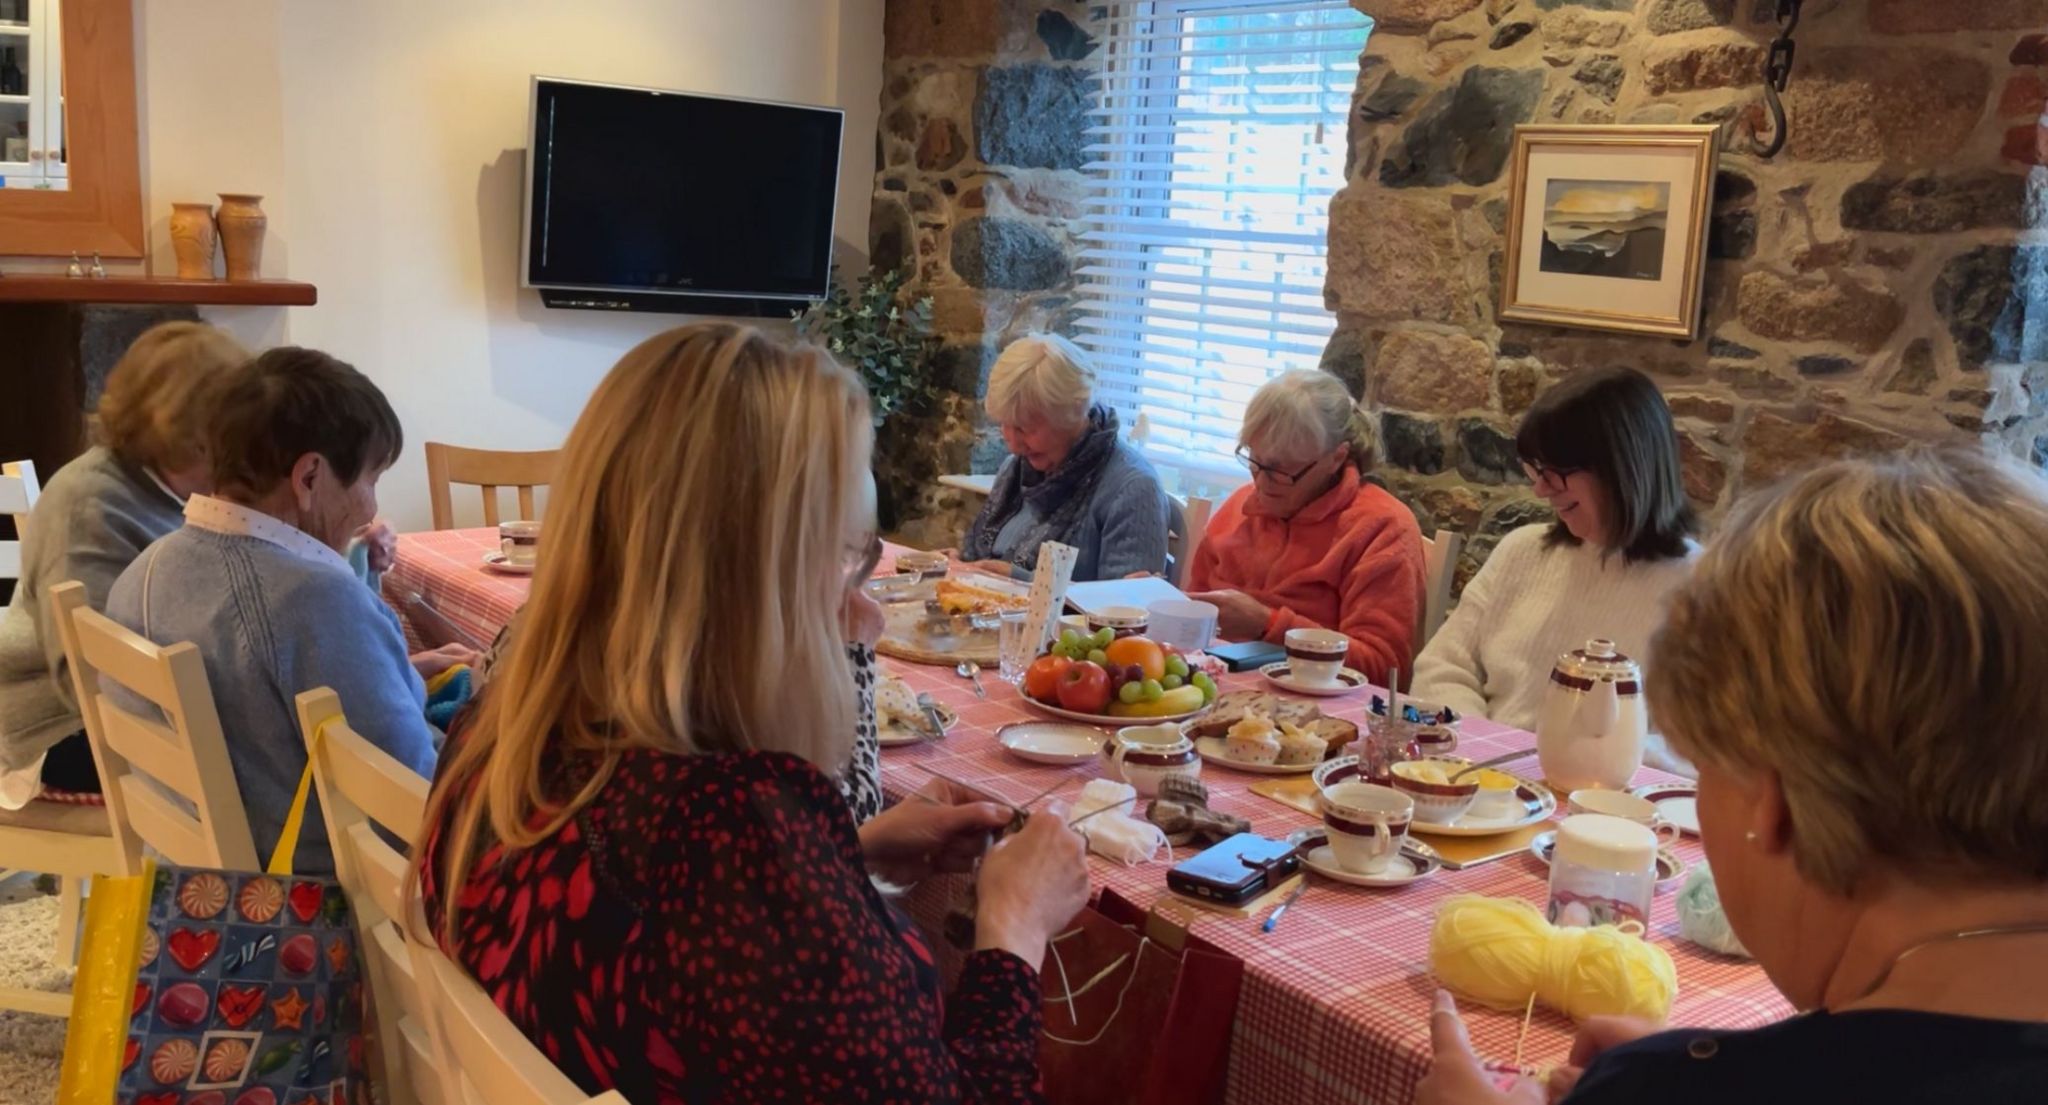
(1591,219)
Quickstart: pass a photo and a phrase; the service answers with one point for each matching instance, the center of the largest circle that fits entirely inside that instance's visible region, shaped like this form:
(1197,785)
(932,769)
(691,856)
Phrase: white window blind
(1216,141)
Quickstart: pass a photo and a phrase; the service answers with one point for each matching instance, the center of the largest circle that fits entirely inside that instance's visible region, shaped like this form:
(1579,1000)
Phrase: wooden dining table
(1336,999)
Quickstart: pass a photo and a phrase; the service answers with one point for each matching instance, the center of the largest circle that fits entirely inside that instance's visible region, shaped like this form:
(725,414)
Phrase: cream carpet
(30,1046)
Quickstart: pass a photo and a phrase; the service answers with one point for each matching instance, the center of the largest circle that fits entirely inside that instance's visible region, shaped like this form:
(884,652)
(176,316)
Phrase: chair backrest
(144,761)
(18,490)
(361,790)
(489,1060)
(1439,566)
(489,469)
(1184,536)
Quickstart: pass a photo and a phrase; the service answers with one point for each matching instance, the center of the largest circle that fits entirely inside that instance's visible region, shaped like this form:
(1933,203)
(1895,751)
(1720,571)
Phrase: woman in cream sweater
(1600,449)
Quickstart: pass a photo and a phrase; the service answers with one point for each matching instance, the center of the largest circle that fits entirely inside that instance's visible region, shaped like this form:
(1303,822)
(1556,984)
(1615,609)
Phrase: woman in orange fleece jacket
(1308,542)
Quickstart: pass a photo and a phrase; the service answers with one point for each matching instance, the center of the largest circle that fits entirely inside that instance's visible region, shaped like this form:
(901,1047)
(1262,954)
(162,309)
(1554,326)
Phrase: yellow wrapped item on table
(1498,951)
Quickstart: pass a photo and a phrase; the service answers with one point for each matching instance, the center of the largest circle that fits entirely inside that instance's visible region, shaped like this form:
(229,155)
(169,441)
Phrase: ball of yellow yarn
(1497,951)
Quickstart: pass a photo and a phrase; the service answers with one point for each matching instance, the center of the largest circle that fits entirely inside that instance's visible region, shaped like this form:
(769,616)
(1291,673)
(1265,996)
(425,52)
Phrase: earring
(1750,836)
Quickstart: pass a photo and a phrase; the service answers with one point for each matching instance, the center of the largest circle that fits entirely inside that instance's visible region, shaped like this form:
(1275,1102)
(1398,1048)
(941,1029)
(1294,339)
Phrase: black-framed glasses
(860,558)
(1538,471)
(1279,477)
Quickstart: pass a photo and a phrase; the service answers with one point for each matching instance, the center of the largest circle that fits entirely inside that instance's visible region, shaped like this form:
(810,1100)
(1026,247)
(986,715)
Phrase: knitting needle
(1273,918)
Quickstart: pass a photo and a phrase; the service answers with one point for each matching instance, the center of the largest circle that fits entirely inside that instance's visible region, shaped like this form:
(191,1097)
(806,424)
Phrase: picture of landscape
(1612,228)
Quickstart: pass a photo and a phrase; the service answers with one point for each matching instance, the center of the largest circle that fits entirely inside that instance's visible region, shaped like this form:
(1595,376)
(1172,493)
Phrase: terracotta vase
(192,238)
(242,222)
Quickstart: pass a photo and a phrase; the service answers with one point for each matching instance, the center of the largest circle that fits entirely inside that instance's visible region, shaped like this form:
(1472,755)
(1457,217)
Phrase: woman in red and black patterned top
(635,843)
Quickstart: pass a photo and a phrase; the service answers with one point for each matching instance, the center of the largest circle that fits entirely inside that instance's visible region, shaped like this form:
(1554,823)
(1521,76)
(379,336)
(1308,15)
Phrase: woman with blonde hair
(634,843)
(93,518)
(1308,543)
(1858,668)
(1070,478)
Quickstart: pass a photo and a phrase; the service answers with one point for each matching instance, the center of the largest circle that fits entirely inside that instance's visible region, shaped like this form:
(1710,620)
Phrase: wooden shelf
(153,289)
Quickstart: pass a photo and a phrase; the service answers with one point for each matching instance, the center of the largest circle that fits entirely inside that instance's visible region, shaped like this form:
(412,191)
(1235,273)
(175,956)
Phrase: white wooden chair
(1439,566)
(145,761)
(363,789)
(71,842)
(489,469)
(488,1060)
(1190,522)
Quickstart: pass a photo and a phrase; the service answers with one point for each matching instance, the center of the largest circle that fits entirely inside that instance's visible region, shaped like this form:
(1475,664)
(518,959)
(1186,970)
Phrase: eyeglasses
(860,558)
(1280,478)
(1539,471)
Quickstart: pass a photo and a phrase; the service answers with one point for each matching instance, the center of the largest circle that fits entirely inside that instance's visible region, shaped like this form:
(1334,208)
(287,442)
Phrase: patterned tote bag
(204,987)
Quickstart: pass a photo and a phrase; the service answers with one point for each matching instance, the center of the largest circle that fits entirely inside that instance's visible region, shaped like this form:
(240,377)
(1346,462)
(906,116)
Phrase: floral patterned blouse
(706,931)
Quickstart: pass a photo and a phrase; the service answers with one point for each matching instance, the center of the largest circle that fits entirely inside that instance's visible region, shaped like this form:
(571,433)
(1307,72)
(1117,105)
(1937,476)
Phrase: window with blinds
(1215,144)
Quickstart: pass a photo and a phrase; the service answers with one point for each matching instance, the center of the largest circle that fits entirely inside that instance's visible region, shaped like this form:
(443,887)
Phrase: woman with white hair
(1309,543)
(1069,477)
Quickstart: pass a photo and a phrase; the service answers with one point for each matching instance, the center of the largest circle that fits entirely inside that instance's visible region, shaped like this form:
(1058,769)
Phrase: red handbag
(1138,1011)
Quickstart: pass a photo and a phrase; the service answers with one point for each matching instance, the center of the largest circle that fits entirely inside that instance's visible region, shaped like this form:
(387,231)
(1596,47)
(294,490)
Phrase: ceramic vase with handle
(242,223)
(1591,731)
(192,238)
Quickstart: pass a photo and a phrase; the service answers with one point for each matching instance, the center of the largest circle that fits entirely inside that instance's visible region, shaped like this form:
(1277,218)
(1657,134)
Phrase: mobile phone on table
(1248,655)
(1235,870)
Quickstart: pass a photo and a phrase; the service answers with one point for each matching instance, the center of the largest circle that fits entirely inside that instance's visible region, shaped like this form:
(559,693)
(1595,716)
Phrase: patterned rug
(30,1046)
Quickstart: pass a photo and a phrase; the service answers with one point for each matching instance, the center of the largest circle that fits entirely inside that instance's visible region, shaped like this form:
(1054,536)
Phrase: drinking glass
(1015,652)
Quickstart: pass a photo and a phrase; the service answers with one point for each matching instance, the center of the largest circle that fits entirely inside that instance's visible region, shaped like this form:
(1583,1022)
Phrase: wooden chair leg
(70,892)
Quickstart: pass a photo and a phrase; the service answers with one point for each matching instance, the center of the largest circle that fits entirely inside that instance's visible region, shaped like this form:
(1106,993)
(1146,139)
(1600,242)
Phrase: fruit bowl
(1109,680)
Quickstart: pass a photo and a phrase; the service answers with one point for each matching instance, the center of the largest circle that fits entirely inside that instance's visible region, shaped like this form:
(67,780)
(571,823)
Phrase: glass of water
(1013,645)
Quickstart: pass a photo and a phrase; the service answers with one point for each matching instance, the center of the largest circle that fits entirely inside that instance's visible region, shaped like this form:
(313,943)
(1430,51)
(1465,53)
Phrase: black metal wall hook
(1777,73)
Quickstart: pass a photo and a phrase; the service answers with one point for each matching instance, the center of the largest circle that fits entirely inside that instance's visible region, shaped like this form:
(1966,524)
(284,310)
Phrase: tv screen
(643,190)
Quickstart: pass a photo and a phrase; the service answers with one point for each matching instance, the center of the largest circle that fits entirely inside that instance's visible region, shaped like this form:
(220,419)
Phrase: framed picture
(1607,227)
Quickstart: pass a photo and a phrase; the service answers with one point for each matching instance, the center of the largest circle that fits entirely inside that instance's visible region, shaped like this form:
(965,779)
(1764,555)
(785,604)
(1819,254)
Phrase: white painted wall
(386,137)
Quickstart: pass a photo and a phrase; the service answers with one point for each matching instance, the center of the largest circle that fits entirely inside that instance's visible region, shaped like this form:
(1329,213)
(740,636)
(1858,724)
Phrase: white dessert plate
(1048,742)
(895,733)
(1283,677)
(1538,803)
(1211,749)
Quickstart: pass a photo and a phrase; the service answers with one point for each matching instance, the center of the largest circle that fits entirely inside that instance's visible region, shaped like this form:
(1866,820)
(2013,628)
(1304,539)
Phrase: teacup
(1367,824)
(1628,807)
(922,565)
(1436,803)
(519,541)
(1122,621)
(1142,755)
(1316,656)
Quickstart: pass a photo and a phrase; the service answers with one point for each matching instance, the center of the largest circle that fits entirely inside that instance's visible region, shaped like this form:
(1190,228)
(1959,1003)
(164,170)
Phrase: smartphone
(1234,871)
(1248,655)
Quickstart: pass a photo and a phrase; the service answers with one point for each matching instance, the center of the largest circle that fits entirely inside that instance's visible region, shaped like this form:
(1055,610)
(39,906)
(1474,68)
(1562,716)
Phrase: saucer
(1051,742)
(1538,804)
(1211,749)
(495,561)
(1409,866)
(1678,803)
(1669,867)
(1280,675)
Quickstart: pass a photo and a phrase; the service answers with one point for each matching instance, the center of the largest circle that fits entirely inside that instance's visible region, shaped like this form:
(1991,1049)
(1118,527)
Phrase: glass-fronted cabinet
(32,151)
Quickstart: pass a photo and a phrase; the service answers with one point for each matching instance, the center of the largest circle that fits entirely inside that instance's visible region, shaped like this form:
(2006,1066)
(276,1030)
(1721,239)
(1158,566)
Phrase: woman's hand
(1456,1077)
(1031,885)
(382,544)
(861,618)
(434,661)
(1239,617)
(943,831)
(1595,1038)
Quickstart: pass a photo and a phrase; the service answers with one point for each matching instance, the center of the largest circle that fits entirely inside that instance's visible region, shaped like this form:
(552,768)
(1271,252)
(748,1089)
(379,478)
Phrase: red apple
(1042,678)
(1084,688)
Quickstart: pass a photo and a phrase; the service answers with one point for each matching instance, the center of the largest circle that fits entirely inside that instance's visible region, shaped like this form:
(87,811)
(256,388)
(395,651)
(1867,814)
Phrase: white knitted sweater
(1529,603)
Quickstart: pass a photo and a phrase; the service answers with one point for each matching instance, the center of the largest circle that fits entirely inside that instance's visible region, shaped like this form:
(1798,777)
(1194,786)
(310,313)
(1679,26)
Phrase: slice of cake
(1253,740)
(1300,746)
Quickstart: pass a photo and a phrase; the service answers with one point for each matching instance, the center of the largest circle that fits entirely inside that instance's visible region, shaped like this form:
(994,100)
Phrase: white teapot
(1593,724)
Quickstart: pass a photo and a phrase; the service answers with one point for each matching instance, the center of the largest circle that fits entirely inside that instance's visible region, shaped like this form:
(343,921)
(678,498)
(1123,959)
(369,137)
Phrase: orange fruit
(1146,654)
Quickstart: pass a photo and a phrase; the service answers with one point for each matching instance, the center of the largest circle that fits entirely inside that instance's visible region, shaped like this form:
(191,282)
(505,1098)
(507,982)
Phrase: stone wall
(979,185)
(1878,282)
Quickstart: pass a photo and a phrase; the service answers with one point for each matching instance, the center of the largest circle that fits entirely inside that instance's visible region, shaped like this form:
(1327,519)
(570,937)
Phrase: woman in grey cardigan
(1069,477)
(93,517)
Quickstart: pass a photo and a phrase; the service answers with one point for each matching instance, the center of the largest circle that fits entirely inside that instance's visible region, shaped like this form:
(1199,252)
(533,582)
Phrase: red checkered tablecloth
(1336,1000)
